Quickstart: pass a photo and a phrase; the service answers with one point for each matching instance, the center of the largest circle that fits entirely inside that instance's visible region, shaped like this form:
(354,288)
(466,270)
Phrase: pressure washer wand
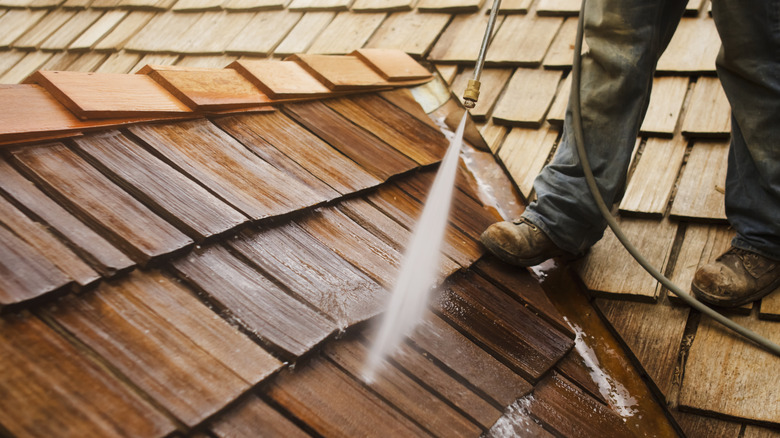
(471,95)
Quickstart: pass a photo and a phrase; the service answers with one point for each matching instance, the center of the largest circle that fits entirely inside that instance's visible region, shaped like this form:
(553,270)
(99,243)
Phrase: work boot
(735,278)
(519,243)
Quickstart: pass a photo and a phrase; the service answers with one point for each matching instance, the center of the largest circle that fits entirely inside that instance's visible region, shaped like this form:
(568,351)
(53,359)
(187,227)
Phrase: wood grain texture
(527,98)
(163,32)
(693,48)
(698,426)
(106,23)
(334,404)
(493,81)
(406,210)
(275,316)
(666,101)
(523,287)
(28,65)
(523,40)
(394,126)
(524,154)
(39,237)
(701,190)
(226,167)
(68,32)
(567,410)
(574,367)
(347,32)
(313,272)
(208,89)
(494,135)
(118,37)
(36,35)
(106,95)
(253,415)
(460,41)
(167,342)
(709,112)
(15,22)
(25,273)
(738,387)
(89,245)
(557,113)
(400,390)
(441,380)
(403,98)
(464,358)
(280,79)
(302,35)
(340,72)
(120,62)
(93,198)
(392,65)
(354,243)
(412,32)
(608,257)
(172,195)
(300,145)
(525,342)
(253,5)
(450,6)
(651,185)
(760,432)
(45,376)
(356,143)
(263,33)
(653,333)
(517,422)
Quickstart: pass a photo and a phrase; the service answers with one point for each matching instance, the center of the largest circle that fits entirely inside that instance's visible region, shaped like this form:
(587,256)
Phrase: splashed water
(421,263)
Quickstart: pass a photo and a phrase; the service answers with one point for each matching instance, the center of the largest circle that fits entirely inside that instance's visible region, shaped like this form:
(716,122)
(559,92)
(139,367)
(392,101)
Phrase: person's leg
(625,39)
(749,70)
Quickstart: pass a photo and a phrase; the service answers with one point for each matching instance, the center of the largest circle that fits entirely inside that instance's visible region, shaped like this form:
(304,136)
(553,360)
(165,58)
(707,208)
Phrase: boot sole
(517,261)
(703,297)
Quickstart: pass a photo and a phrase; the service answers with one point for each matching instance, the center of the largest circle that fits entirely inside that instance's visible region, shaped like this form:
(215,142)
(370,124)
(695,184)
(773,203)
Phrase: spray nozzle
(471,95)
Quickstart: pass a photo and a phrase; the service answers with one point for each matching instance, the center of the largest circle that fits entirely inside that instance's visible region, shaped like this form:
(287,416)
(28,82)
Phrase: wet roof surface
(104,213)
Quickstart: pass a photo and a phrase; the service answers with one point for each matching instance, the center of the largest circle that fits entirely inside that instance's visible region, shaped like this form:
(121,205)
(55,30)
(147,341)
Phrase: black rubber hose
(580,143)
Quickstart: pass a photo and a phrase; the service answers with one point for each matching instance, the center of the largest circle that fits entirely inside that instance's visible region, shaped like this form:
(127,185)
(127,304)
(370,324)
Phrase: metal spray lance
(471,95)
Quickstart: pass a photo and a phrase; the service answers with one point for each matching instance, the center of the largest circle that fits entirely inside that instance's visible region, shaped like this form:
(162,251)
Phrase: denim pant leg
(625,39)
(749,70)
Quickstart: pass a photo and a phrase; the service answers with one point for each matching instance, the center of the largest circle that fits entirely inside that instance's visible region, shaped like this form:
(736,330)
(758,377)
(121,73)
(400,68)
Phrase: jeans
(625,40)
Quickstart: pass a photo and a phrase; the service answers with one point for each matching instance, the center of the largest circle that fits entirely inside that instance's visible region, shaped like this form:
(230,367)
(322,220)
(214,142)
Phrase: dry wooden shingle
(650,188)
(69,31)
(461,40)
(303,34)
(561,52)
(709,113)
(382,5)
(16,22)
(33,38)
(280,79)
(25,67)
(523,40)
(163,33)
(319,5)
(450,6)
(263,32)
(652,238)
(347,32)
(558,7)
(101,27)
(666,102)
(413,32)
(527,97)
(701,190)
(693,48)
(125,30)
(524,153)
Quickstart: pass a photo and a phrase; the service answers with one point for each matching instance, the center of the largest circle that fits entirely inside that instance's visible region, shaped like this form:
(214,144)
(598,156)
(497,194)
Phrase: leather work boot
(735,278)
(519,243)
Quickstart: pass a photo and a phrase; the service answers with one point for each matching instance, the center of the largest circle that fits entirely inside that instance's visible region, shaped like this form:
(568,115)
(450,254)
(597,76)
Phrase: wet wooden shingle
(255,301)
(167,342)
(253,415)
(230,170)
(314,272)
(63,388)
(356,143)
(333,403)
(93,198)
(306,149)
(406,134)
(173,196)
(397,388)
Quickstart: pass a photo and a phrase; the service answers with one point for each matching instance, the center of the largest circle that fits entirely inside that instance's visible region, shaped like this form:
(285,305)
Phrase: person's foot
(519,243)
(735,278)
